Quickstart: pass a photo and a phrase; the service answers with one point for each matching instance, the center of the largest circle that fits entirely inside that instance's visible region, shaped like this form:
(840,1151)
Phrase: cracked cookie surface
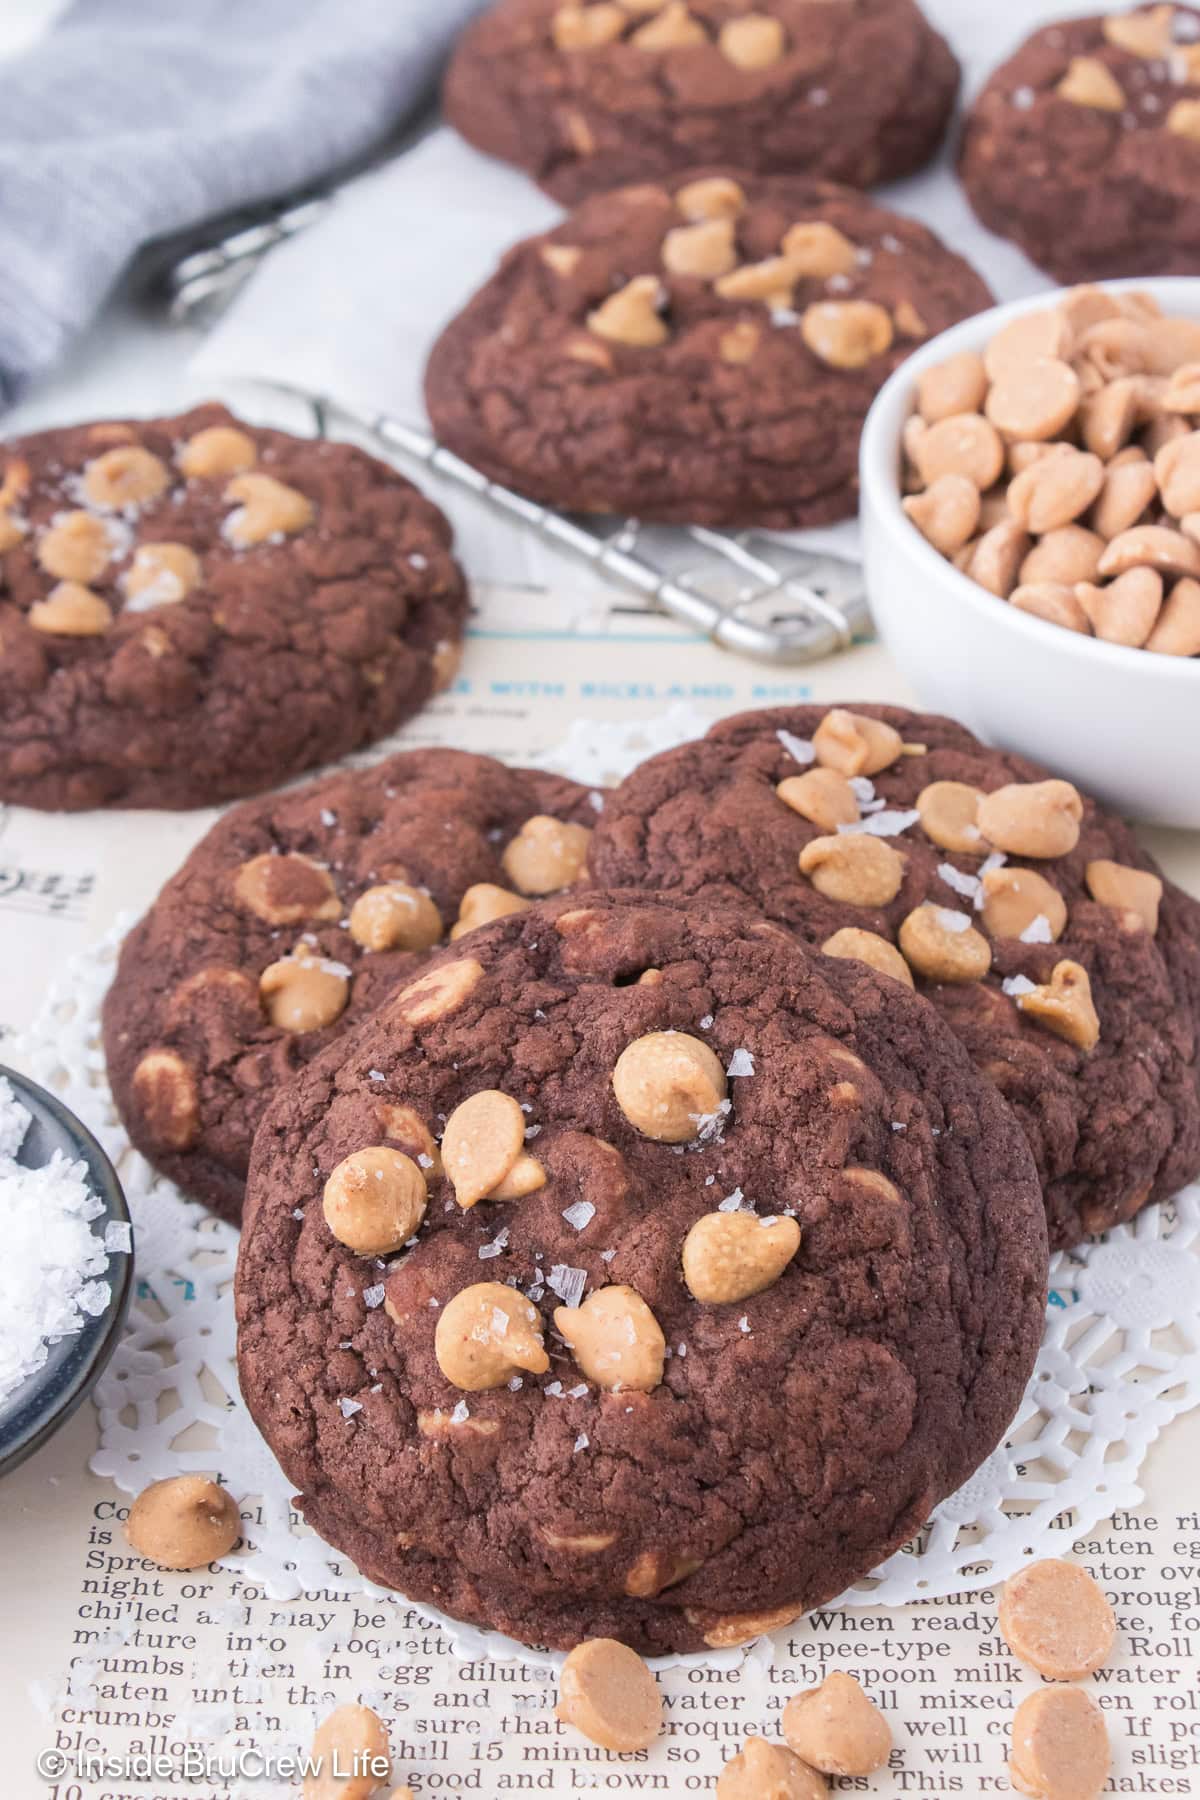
(589,97)
(291,920)
(194,608)
(702,353)
(1114,1123)
(528,1417)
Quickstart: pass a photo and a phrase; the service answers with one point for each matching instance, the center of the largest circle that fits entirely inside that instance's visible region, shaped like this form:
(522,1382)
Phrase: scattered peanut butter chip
(128,476)
(631,315)
(304,991)
(1032,818)
(818,250)
(70,610)
(481,1142)
(266,510)
(439,993)
(712,197)
(217,450)
(587,27)
(160,575)
(836,1728)
(350,1756)
(485,1334)
(610,1695)
(726,1631)
(729,1256)
(1014,899)
(942,945)
(667,1084)
(525,1177)
(1128,890)
(615,1338)
(1059,1746)
(286,890)
(705,250)
(770,281)
(674,28)
(855,744)
(164,1087)
(949,811)
(374,1200)
(752,41)
(1089,82)
(857,869)
(483,903)
(1145,34)
(395,916)
(846,334)
(546,855)
(868,947)
(1064,1006)
(76,547)
(765,1771)
(183,1522)
(1056,1618)
(822,796)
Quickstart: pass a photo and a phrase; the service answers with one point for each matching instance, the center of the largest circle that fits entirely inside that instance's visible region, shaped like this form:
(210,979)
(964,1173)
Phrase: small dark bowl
(47,1399)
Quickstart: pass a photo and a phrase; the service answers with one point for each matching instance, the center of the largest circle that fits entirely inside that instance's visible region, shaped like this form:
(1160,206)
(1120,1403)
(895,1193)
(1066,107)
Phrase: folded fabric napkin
(129,121)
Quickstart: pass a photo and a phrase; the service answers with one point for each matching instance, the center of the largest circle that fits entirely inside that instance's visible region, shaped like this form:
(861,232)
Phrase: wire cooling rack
(752,593)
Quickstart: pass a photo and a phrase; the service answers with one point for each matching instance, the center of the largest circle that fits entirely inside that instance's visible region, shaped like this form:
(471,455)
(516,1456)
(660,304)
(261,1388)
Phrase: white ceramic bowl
(1123,724)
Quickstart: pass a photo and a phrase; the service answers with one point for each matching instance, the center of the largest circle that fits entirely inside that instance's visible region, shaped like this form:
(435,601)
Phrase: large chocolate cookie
(294,917)
(760,1278)
(705,354)
(1030,916)
(591,94)
(195,608)
(1084,147)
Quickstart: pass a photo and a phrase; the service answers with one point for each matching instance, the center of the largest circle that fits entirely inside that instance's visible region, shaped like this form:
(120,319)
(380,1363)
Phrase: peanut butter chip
(1183,120)
(713,197)
(77,547)
(165,1091)
(818,250)
(770,281)
(631,316)
(1124,611)
(766,1771)
(610,1695)
(822,796)
(947,513)
(949,811)
(1045,333)
(1156,547)
(184,1522)
(587,27)
(868,947)
(1057,1619)
(12,530)
(705,250)
(836,1728)
(1064,1006)
(485,1334)
(125,477)
(668,1084)
(941,944)
(958,385)
(483,903)
(1128,890)
(394,916)
(350,1755)
(562,258)
(266,510)
(846,334)
(739,343)
(218,450)
(754,41)
(1177,632)
(1145,34)
(1059,1746)
(857,869)
(160,575)
(286,890)
(854,744)
(673,29)
(1035,401)
(441,992)
(1014,898)
(481,1142)
(304,991)
(1032,818)
(525,1177)
(729,1256)
(616,1340)
(962,444)
(70,610)
(375,1200)
(546,855)
(1089,82)
(1055,490)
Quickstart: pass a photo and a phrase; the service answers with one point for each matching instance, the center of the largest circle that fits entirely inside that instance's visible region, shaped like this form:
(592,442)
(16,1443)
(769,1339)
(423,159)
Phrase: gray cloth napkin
(132,119)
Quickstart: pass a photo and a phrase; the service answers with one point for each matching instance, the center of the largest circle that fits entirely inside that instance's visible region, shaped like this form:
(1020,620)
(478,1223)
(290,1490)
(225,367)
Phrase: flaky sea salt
(374,1296)
(348,1408)
(959,880)
(799,748)
(1018,984)
(567,1282)
(880,824)
(740,1063)
(495,1247)
(461,1413)
(580,1215)
(949,920)
(1038,931)
(732,1202)
(49,1274)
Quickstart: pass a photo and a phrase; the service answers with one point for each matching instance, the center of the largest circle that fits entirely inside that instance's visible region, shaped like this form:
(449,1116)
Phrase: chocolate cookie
(590,94)
(703,355)
(1084,147)
(1029,916)
(294,917)
(195,608)
(727,1268)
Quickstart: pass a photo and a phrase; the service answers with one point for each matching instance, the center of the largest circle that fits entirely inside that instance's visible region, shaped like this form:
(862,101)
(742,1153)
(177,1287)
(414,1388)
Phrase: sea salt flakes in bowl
(65,1273)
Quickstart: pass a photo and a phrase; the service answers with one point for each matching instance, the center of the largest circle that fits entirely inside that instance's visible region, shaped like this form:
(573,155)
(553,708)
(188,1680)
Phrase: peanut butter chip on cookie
(673,29)
(846,334)
(766,1771)
(481,1142)
(753,41)
(483,903)
(374,1200)
(165,1091)
(184,1522)
(1127,890)
(854,744)
(525,1177)
(1145,34)
(441,992)
(857,869)
(286,890)
(77,547)
(1059,1746)
(350,1755)
(616,1340)
(1014,899)
(949,816)
(1032,818)
(70,610)
(266,511)
(304,991)
(124,478)
(610,1695)
(836,1728)
(160,575)
(485,1334)
(941,944)
(712,197)
(546,855)
(1183,120)
(668,1084)
(822,796)
(1089,82)
(631,316)
(868,947)
(1064,1006)
(818,250)
(218,450)
(1056,1618)
(729,1256)
(394,916)
(587,27)
(705,250)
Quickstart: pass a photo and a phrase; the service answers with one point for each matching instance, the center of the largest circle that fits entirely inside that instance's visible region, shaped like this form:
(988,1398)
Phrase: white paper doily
(1120,1357)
